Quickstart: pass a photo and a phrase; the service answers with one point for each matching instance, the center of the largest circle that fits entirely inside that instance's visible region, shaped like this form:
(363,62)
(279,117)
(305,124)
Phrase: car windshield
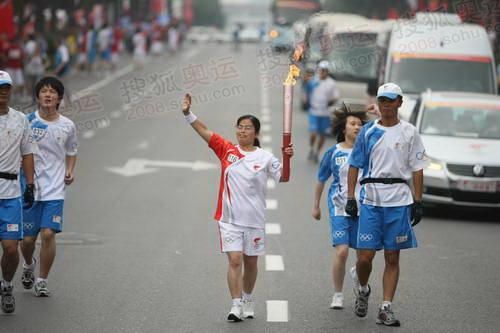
(461,120)
(417,75)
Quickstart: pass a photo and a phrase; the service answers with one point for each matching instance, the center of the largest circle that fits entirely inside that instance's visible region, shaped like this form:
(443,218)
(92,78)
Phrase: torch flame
(294,71)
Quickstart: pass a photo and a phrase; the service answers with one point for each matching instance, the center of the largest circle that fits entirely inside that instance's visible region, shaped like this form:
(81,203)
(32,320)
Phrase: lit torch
(288,84)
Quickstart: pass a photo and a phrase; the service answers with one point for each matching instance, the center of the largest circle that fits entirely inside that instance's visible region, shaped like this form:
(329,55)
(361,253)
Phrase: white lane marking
(277,311)
(88,134)
(271,184)
(268,149)
(266,128)
(266,139)
(104,82)
(274,263)
(265,118)
(271,204)
(273,229)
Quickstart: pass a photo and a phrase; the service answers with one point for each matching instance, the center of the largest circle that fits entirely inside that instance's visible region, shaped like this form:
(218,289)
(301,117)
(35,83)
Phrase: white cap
(389,90)
(5,78)
(323,64)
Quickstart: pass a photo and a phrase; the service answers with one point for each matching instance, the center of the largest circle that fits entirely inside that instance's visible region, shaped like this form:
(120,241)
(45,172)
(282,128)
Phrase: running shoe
(386,317)
(8,300)
(236,314)
(41,289)
(248,309)
(28,276)
(337,301)
(361,305)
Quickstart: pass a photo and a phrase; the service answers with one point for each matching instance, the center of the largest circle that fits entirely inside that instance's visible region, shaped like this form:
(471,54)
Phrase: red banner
(7,18)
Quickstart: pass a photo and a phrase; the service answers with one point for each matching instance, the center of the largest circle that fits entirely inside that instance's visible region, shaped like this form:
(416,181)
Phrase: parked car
(461,134)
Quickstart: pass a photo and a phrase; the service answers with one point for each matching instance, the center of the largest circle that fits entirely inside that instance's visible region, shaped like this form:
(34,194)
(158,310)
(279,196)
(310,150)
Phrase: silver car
(461,134)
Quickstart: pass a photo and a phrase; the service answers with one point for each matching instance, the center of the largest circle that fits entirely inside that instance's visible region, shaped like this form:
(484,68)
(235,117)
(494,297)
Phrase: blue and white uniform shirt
(388,152)
(335,163)
(53,141)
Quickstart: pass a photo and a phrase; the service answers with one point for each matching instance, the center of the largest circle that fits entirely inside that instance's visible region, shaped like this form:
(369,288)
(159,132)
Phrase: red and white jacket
(243,183)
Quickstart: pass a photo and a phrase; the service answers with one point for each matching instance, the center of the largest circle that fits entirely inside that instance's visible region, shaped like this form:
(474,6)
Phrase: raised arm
(198,126)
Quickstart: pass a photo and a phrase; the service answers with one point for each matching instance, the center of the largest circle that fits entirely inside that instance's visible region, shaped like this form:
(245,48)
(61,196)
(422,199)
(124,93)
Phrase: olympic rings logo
(365,237)
(338,234)
(28,226)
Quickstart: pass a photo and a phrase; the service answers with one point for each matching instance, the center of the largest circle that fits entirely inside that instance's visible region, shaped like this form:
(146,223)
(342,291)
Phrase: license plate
(474,186)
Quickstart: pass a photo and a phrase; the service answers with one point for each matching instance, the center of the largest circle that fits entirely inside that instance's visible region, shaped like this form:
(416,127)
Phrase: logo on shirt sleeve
(12,227)
(276,165)
(232,158)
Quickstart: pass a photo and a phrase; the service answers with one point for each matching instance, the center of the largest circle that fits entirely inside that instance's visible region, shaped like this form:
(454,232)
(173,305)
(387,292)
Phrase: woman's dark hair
(340,116)
(255,123)
(50,81)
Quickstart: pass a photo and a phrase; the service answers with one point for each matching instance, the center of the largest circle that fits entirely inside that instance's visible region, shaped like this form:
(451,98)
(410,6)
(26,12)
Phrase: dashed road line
(277,311)
(271,204)
(274,263)
(273,229)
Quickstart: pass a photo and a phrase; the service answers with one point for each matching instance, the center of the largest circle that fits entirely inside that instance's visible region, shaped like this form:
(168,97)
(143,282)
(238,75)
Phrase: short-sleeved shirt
(243,183)
(324,92)
(53,141)
(335,164)
(388,152)
(15,142)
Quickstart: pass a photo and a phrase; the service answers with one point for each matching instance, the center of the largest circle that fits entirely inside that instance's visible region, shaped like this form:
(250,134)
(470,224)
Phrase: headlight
(273,33)
(435,165)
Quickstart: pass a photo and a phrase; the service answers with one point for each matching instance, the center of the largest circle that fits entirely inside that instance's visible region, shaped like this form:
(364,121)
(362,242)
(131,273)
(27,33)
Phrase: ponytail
(256,142)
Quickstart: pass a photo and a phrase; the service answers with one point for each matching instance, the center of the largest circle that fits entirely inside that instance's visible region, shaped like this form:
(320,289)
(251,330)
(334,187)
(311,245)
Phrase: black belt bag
(9,176)
(383,181)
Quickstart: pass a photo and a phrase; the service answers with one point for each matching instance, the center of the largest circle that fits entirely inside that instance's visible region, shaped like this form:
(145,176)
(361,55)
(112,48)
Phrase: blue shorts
(43,214)
(11,219)
(385,227)
(319,124)
(343,230)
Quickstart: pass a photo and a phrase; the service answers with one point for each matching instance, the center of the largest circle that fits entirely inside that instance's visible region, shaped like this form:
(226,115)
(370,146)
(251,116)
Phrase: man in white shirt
(15,147)
(323,93)
(391,153)
(55,144)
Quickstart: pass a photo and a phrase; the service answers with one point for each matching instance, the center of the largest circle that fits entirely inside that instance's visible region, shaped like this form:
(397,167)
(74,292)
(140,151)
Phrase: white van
(439,53)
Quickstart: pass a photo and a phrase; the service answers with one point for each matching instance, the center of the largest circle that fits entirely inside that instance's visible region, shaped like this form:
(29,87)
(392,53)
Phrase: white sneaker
(355,281)
(236,314)
(248,309)
(337,301)
(41,289)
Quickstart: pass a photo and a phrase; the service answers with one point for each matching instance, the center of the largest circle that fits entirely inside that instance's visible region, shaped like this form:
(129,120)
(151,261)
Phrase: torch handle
(287,139)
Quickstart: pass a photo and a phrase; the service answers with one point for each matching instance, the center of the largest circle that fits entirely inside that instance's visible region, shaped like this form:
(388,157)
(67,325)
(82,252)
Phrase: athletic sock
(6,284)
(236,301)
(364,289)
(247,297)
(30,266)
(40,280)
(386,305)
